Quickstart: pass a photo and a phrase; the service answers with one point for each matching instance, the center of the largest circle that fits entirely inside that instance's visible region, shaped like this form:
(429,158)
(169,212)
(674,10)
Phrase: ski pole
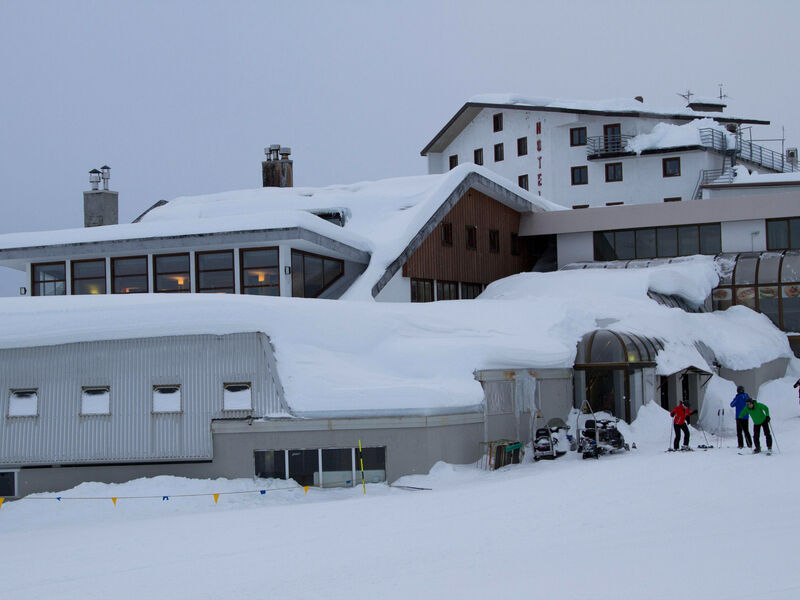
(774,437)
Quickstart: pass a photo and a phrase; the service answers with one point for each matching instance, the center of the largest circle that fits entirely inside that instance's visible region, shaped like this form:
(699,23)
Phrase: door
(612,137)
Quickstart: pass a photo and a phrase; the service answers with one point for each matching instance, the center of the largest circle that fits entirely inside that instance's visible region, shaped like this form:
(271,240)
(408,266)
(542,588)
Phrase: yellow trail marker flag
(216,498)
(1,502)
(114,500)
(305,488)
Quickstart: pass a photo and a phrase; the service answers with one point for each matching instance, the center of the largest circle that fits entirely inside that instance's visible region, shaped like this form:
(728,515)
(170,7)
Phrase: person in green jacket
(760,415)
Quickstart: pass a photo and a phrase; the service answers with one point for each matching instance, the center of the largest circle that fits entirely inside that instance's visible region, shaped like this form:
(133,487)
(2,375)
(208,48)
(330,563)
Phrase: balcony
(603,145)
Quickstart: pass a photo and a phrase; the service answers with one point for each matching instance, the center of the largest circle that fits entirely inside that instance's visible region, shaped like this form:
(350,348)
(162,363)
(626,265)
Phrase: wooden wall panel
(433,260)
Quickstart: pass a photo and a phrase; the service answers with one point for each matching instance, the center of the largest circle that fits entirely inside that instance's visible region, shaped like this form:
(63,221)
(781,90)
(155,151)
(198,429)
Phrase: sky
(180,98)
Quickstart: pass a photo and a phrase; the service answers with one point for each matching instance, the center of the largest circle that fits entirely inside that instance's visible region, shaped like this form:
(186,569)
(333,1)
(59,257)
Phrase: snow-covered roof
(382,217)
(666,135)
(421,357)
(743,177)
(615,106)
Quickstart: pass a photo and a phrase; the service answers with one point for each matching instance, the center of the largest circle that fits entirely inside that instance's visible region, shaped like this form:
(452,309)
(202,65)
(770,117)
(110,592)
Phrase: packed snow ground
(708,525)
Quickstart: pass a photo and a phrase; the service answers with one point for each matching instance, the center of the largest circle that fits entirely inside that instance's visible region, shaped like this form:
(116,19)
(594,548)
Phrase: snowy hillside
(647,524)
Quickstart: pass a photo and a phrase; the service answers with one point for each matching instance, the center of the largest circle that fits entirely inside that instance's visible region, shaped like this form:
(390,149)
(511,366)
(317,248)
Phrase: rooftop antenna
(722,95)
(687,96)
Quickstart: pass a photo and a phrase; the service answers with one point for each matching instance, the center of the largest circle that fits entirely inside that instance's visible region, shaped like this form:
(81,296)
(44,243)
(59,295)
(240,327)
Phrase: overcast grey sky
(181,97)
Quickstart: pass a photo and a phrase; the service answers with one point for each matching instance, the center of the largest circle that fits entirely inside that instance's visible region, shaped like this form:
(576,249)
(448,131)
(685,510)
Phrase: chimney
(100,207)
(639,98)
(277,170)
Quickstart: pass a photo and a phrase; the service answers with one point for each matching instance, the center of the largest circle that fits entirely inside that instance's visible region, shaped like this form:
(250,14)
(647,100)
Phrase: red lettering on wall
(540,162)
(538,145)
(539,180)
(538,128)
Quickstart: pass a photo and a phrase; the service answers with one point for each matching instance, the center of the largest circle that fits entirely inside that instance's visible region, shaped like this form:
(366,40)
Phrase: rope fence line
(166,497)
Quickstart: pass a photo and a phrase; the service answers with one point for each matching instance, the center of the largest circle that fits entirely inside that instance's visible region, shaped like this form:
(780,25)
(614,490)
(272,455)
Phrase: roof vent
(100,207)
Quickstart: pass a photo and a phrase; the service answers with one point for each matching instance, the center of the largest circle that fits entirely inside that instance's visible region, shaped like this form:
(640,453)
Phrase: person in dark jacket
(742,425)
(760,414)
(679,416)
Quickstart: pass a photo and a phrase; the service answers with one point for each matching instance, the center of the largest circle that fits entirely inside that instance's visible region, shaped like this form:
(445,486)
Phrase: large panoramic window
(657,242)
(470,290)
(312,274)
(49,279)
(783,234)
(260,274)
(421,290)
(324,467)
(129,275)
(447,290)
(172,273)
(89,276)
(215,272)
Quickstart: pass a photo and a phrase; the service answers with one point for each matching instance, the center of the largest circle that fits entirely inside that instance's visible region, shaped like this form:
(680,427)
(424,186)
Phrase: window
(671,167)
(49,279)
(454,161)
(580,175)
(171,273)
(515,250)
(270,464)
(312,274)
(236,396)
(614,172)
(497,122)
(522,146)
(783,234)
(673,199)
(421,290)
(470,290)
(374,463)
(577,136)
(166,398)
(23,403)
(338,467)
(522,181)
(215,272)
(260,275)
(129,275)
(498,152)
(657,242)
(477,156)
(88,276)
(96,401)
(612,138)
(447,234)
(8,484)
(446,290)
(472,237)
(494,241)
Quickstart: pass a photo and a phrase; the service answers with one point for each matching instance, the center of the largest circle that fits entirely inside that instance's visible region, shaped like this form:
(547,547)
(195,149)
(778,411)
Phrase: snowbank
(666,135)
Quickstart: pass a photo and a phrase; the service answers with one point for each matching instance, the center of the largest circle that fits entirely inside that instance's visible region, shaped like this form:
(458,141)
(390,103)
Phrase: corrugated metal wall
(200,364)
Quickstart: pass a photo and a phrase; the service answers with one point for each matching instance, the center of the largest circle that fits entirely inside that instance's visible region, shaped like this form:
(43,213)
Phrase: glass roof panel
(768,267)
(790,271)
(606,348)
(745,272)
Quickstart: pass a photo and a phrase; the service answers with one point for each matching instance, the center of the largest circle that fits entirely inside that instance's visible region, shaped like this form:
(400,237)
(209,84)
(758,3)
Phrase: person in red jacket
(680,414)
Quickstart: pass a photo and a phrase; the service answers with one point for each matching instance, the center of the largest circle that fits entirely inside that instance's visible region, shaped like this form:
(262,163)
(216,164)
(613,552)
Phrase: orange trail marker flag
(305,488)
(114,500)
(1,502)
(216,498)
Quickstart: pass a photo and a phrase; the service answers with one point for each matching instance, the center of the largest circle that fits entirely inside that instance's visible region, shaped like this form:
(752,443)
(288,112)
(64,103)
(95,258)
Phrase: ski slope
(710,525)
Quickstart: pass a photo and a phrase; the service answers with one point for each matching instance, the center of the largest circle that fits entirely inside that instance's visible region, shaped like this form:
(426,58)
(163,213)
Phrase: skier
(797,385)
(680,414)
(742,425)
(760,414)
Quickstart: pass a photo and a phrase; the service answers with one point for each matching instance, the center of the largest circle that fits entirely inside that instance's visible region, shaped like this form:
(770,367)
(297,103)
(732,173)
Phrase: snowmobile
(546,441)
(600,436)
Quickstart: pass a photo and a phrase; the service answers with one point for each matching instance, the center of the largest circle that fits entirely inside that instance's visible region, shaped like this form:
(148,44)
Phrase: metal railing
(606,144)
(709,138)
(712,176)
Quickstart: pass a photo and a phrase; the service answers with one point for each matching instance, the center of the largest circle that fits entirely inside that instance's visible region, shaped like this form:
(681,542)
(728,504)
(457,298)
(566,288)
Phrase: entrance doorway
(608,390)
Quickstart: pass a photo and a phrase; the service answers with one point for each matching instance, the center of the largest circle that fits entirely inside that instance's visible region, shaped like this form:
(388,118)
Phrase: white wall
(398,289)
(744,236)
(575,247)
(643,180)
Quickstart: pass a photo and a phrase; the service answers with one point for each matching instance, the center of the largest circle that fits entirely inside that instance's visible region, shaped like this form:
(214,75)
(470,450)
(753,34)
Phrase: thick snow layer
(743,175)
(613,105)
(642,524)
(382,216)
(396,357)
(666,135)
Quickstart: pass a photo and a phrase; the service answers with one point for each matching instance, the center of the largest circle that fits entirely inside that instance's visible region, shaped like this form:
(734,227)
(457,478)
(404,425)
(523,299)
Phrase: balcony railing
(607,144)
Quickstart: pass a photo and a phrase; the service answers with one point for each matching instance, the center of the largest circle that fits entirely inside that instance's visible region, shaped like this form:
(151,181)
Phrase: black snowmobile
(599,436)
(546,441)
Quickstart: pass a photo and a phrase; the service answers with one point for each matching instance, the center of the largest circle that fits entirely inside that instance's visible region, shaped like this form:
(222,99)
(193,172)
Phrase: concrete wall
(744,236)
